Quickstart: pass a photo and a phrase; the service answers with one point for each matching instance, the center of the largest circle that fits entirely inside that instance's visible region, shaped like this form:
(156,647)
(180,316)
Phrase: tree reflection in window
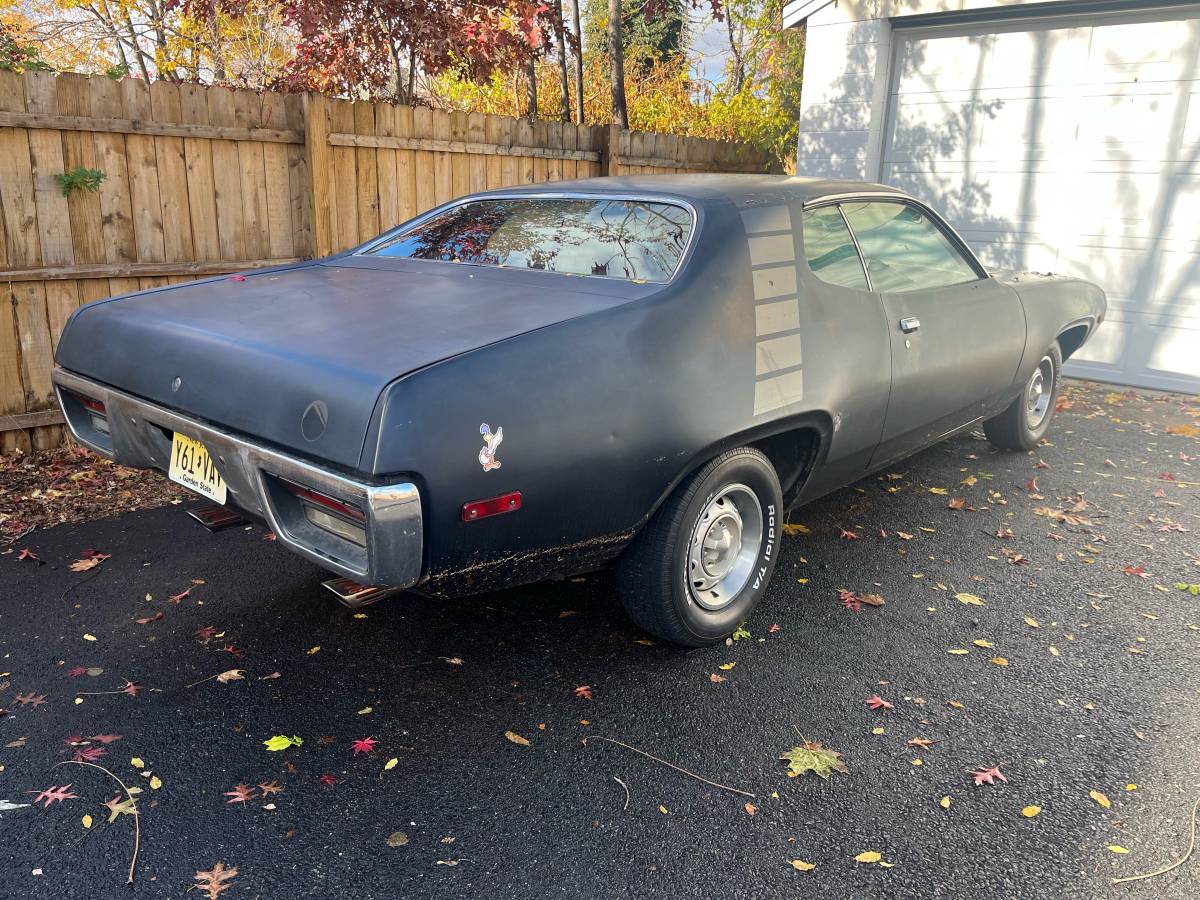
(631,239)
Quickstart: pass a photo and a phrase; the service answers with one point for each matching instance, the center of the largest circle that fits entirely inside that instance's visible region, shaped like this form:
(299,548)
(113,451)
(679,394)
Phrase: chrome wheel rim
(724,547)
(1039,392)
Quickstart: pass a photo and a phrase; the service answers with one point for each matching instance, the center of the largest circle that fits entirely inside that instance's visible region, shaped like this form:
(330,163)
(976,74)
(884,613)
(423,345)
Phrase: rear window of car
(635,240)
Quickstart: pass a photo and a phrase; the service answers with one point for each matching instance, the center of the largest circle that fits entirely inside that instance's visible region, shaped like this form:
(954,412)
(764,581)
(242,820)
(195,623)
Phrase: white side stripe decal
(779,382)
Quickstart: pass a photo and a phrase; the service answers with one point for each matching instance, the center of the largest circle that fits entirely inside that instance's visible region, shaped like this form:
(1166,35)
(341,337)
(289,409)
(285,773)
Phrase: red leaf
(364,745)
(1032,485)
(104,738)
(877,702)
(1136,571)
(77,671)
(329,780)
(240,794)
(149,619)
(131,688)
(26,553)
(31,699)
(229,648)
(1166,476)
(1042,464)
(850,600)
(987,776)
(584,692)
(848,535)
(183,596)
(1160,493)
(89,754)
(206,633)
(95,554)
(774,629)
(52,794)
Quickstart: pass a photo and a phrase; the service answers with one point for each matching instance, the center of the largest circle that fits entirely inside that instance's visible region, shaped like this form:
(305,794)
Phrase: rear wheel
(1027,419)
(703,561)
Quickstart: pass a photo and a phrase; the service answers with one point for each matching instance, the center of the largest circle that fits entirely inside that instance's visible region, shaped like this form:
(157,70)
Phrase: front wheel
(703,561)
(1026,421)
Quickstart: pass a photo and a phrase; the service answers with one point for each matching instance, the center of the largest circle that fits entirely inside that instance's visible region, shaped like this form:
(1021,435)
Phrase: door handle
(909,325)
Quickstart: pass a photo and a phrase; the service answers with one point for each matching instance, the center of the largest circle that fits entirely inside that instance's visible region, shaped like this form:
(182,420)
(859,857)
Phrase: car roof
(742,189)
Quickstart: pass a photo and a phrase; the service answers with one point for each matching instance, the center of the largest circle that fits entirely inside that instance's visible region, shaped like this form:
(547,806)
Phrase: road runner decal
(487,455)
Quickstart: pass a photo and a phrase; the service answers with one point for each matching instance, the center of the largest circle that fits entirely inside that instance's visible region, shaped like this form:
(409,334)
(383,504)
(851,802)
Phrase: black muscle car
(539,380)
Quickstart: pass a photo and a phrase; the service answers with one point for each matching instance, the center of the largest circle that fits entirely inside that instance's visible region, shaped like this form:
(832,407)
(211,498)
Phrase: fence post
(610,151)
(316,148)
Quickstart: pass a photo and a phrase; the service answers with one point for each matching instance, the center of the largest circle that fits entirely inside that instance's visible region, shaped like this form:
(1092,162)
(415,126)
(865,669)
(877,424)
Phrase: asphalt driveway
(1031,623)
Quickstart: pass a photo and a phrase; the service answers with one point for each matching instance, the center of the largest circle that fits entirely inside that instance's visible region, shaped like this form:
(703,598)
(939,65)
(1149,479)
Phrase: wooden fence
(205,180)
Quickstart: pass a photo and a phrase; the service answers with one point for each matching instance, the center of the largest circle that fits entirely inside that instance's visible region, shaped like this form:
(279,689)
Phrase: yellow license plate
(192,467)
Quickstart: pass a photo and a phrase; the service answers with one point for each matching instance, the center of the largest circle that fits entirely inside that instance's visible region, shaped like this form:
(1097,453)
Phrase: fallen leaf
(869,856)
(364,745)
(969,599)
(516,738)
(137,763)
(958,652)
(281,742)
(944,803)
(240,794)
(986,645)
(1030,811)
(217,879)
(1117,848)
(390,764)
(812,757)
(1032,623)
(999,661)
(86,820)
(801,866)
(584,692)
(725,667)
(751,809)
(877,702)
(794,528)
(1100,798)
(716,679)
(53,795)
(312,650)
(938,490)
(987,776)
(872,599)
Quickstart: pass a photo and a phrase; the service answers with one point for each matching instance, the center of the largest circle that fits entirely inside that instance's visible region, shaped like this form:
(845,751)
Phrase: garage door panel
(1072,150)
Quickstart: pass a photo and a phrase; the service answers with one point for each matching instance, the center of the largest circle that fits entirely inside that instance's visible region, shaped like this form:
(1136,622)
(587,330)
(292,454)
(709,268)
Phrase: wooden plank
(29,310)
(493,166)
(18,212)
(476,163)
(554,141)
(202,189)
(460,163)
(440,145)
(141,269)
(46,156)
(314,191)
(143,177)
(73,96)
(423,160)
(570,141)
(508,165)
(85,124)
(541,165)
(254,180)
(62,299)
(231,223)
(32,420)
(344,198)
(443,177)
(299,186)
(116,222)
(366,174)
(275,168)
(405,170)
(385,169)
(523,136)
(172,176)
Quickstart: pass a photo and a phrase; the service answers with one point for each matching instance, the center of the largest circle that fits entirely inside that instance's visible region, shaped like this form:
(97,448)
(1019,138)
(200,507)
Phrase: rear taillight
(96,409)
(330,514)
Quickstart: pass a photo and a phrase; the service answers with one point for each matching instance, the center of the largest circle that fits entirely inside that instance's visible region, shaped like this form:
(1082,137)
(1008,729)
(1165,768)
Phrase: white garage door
(1069,145)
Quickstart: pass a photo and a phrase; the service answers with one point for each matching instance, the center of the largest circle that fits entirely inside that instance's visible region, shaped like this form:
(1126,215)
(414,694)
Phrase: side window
(830,250)
(904,249)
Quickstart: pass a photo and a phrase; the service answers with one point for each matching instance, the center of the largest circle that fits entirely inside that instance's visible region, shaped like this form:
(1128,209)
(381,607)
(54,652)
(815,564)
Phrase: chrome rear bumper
(139,434)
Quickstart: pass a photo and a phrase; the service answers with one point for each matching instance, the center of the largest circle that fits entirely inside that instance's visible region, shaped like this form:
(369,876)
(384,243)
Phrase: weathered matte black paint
(609,392)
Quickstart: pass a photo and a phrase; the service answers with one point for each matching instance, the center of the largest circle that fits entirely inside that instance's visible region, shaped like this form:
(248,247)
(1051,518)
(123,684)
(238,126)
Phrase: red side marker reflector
(481,509)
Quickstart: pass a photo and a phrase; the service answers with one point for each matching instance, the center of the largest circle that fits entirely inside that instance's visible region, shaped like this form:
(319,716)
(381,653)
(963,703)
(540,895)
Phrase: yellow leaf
(1030,811)
(878,730)
(801,866)
(89,637)
(959,652)
(957,704)
(725,667)
(1100,798)
(1131,787)
(87,821)
(1117,848)
(938,490)
(999,661)
(796,528)
(278,742)
(868,856)
(986,645)
(662,809)
(78,700)
(917,762)
(390,764)
(969,480)
(366,710)
(801,581)
(969,599)
(1054,651)
(312,650)
(360,615)
(944,803)
(137,763)
(516,738)
(155,782)
(885,865)
(1032,623)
